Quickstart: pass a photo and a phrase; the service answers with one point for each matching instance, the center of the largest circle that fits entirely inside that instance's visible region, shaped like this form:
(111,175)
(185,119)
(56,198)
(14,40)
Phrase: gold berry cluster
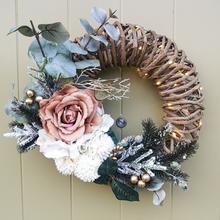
(31,97)
(115,152)
(141,180)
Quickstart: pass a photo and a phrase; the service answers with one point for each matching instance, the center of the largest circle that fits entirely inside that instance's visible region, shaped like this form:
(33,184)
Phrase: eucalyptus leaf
(74,48)
(100,38)
(158,197)
(87,63)
(61,64)
(54,32)
(61,49)
(124,192)
(112,31)
(88,28)
(90,44)
(155,184)
(99,15)
(50,49)
(24,30)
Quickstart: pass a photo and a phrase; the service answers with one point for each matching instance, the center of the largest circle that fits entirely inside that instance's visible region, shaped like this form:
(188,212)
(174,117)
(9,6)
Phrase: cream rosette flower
(83,157)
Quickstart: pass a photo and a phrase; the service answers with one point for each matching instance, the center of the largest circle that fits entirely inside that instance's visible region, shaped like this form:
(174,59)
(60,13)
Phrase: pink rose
(69,113)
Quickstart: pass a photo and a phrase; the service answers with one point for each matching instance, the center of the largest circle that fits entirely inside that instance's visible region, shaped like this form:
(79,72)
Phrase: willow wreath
(62,111)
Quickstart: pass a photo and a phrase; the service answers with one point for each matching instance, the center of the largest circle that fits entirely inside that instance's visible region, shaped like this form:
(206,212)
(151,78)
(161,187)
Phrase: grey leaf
(63,50)
(158,197)
(50,49)
(61,64)
(112,31)
(88,28)
(155,184)
(55,32)
(90,44)
(99,15)
(24,30)
(74,48)
(100,38)
(87,63)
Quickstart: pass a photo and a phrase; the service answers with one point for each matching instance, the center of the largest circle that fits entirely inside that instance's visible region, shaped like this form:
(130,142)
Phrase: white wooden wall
(30,186)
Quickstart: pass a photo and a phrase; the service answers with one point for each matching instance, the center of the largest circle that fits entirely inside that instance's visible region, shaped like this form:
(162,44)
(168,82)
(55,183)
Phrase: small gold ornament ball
(114,158)
(38,98)
(29,101)
(146,177)
(134,179)
(141,184)
(30,93)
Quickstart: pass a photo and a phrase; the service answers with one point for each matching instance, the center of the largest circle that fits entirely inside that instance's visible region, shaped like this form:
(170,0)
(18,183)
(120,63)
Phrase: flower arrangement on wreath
(62,113)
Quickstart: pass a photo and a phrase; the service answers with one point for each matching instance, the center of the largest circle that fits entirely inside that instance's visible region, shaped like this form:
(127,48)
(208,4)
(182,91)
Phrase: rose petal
(70,138)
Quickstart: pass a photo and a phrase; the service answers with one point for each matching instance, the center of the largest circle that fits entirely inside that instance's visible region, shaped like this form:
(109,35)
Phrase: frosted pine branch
(25,135)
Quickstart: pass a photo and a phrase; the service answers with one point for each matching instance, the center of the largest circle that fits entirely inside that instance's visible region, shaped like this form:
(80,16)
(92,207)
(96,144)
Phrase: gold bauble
(146,177)
(38,98)
(29,101)
(30,93)
(141,184)
(120,148)
(114,158)
(134,179)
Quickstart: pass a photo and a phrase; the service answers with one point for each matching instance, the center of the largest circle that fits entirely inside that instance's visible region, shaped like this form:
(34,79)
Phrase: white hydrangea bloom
(83,157)
(86,168)
(65,165)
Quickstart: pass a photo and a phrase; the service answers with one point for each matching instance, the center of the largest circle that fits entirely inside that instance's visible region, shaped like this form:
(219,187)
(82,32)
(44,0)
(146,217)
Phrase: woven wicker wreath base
(158,58)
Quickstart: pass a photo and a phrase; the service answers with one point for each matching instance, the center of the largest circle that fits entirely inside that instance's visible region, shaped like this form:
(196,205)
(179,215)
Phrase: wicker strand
(159,59)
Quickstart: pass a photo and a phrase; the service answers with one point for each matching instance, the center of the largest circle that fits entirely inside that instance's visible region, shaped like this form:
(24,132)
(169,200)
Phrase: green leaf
(99,15)
(100,38)
(88,28)
(111,133)
(102,180)
(55,32)
(112,31)
(124,192)
(108,167)
(24,30)
(87,63)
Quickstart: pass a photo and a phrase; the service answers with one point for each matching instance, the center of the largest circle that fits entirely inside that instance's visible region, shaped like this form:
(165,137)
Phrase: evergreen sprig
(30,112)
(183,151)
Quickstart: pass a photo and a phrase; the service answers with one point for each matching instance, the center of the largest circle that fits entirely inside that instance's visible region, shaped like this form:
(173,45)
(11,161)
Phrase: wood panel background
(30,186)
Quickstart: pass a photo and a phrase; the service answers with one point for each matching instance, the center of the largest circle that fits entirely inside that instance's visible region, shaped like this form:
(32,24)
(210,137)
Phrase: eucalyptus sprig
(55,32)
(91,41)
(52,50)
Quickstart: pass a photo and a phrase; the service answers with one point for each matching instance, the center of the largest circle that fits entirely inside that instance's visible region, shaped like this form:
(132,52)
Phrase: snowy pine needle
(25,135)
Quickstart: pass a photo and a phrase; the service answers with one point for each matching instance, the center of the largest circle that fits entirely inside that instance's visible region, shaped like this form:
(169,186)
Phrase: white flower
(87,168)
(83,157)
(55,149)
(65,165)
